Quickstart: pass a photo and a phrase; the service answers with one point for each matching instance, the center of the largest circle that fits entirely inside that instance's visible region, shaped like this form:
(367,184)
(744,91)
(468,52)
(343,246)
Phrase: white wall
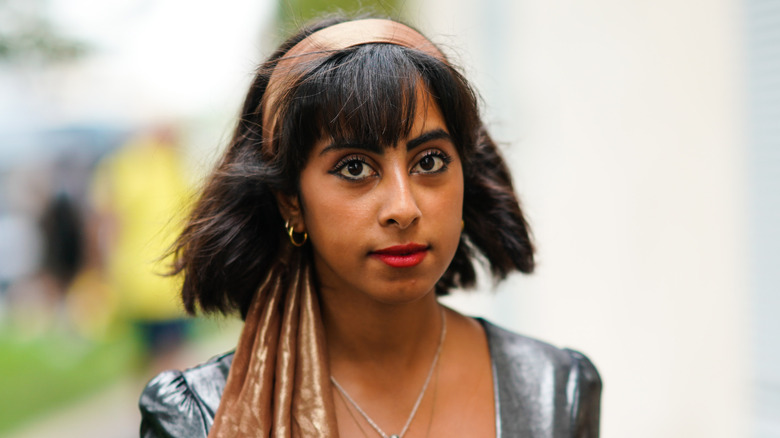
(625,127)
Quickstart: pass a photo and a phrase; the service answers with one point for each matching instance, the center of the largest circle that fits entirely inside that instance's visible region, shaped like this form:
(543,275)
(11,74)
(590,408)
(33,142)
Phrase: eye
(353,168)
(432,161)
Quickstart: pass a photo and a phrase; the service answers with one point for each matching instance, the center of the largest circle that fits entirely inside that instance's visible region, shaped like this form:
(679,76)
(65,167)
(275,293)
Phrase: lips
(402,256)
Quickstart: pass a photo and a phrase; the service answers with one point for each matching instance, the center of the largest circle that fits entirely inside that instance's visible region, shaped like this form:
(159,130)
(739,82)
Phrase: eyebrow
(436,134)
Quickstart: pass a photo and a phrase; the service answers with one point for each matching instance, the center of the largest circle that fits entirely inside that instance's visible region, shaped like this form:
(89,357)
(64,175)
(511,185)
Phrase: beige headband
(337,37)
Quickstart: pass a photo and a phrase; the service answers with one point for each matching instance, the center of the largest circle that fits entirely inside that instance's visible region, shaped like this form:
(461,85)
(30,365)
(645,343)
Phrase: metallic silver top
(541,391)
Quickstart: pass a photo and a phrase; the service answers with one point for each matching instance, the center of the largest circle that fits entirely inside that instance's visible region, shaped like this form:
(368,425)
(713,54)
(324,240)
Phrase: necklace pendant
(394,436)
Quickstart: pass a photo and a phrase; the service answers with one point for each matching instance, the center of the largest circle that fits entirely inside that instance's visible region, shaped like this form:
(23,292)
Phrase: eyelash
(445,158)
(344,162)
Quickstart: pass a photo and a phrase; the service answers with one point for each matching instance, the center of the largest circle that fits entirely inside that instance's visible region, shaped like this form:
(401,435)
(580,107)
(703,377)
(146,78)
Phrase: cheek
(332,223)
(445,213)
(454,196)
(331,216)
(456,213)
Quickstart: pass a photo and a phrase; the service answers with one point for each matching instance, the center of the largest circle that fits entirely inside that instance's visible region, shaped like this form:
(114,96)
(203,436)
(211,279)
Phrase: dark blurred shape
(44,245)
(63,239)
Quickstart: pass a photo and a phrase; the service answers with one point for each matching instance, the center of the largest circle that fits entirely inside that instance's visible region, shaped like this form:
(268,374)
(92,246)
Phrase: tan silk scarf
(278,385)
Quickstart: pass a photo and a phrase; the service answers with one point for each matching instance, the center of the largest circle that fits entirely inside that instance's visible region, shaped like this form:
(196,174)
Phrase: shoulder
(534,378)
(182,403)
(512,348)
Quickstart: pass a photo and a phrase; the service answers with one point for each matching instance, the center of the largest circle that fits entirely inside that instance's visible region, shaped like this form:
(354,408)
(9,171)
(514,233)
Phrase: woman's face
(384,223)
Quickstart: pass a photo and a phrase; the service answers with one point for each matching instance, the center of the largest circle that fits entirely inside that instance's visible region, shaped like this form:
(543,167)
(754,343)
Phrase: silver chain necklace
(419,397)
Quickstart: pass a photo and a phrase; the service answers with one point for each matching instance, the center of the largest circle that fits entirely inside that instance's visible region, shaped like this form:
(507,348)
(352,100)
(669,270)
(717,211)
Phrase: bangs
(365,95)
(368,95)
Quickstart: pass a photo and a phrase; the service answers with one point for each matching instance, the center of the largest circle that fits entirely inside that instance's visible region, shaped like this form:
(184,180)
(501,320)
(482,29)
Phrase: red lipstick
(402,256)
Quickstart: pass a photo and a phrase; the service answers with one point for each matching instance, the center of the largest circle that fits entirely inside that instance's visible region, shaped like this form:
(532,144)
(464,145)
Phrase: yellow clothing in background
(144,192)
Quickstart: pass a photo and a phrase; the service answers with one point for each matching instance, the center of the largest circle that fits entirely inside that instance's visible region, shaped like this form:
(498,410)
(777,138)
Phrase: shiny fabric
(540,392)
(278,384)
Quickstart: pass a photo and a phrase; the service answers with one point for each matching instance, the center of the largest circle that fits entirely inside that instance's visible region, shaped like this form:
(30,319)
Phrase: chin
(404,294)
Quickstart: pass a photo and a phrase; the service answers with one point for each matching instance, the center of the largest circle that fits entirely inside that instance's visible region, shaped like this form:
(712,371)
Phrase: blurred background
(643,137)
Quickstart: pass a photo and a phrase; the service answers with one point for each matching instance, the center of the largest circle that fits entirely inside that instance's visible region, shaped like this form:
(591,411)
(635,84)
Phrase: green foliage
(293,13)
(28,34)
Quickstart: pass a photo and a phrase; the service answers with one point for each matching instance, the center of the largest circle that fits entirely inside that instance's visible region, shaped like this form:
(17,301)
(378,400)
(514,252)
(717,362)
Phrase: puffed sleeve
(170,409)
(585,392)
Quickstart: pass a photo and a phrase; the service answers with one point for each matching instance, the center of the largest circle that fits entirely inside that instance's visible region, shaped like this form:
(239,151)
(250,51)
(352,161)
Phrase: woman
(359,184)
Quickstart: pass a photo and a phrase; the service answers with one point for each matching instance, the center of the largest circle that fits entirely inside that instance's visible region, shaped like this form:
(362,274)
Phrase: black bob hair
(367,94)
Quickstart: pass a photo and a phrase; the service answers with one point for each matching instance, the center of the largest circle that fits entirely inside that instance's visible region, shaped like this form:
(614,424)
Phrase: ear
(290,209)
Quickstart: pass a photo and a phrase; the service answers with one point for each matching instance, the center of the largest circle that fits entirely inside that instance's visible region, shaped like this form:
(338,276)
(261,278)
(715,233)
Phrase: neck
(379,336)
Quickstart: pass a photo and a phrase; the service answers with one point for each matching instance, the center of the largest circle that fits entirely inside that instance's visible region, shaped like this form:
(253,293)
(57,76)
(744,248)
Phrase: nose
(399,207)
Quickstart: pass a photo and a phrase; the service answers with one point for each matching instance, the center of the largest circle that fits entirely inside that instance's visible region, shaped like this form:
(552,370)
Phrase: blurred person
(140,193)
(62,227)
(93,306)
(361,184)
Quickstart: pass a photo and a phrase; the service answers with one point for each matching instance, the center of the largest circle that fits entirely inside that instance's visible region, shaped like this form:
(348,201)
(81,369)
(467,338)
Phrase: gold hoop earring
(291,231)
